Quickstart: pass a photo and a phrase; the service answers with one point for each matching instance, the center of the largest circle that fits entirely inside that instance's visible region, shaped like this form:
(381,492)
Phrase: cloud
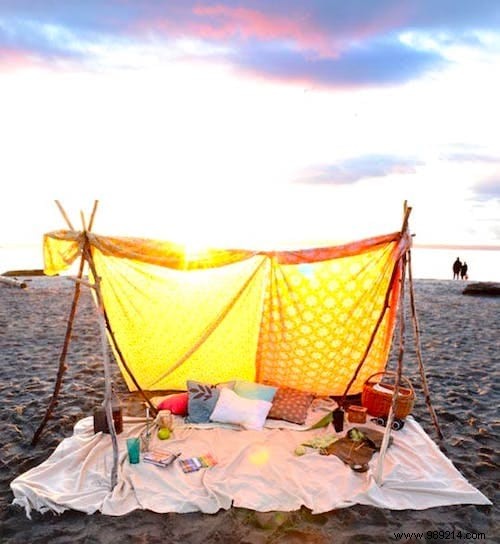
(488,189)
(376,63)
(352,170)
(24,41)
(466,156)
(328,42)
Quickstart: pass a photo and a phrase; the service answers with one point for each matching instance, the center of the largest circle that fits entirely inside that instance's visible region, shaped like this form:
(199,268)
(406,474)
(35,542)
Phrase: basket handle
(391,373)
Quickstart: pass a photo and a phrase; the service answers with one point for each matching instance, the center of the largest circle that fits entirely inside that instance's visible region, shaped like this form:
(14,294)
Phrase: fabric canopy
(305,319)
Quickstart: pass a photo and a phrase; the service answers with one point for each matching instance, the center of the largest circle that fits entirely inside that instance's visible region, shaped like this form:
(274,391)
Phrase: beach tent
(319,320)
(309,319)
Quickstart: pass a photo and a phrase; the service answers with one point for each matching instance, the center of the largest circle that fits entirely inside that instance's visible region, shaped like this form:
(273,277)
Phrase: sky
(251,123)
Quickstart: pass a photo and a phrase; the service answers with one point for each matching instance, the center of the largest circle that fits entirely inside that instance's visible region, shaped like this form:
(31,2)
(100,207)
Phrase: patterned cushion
(291,405)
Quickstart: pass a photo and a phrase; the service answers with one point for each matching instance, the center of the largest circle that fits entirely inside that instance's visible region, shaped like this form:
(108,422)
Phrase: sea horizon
(427,262)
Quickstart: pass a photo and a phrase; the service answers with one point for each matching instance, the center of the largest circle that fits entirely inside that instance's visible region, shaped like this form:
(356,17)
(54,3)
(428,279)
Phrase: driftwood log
(13,282)
(487,288)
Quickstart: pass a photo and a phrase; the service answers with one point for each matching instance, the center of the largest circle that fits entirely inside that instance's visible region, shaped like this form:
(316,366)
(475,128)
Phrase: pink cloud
(12,60)
(225,22)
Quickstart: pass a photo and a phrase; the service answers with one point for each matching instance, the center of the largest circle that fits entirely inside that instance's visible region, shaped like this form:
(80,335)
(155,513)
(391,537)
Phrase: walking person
(463,271)
(457,268)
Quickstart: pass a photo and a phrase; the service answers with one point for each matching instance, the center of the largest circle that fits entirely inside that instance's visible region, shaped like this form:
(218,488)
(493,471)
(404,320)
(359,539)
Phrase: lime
(163,433)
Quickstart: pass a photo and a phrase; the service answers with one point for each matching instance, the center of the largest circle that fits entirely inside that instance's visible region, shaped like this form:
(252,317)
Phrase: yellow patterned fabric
(300,319)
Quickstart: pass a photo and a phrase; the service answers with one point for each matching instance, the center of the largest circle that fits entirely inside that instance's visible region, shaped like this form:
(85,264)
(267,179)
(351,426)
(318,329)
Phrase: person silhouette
(463,271)
(457,267)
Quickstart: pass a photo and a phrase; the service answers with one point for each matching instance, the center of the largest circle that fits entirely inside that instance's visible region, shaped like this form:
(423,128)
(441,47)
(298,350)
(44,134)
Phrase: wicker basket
(377,396)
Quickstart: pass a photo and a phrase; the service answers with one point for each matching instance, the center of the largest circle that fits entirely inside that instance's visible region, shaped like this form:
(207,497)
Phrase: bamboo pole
(418,351)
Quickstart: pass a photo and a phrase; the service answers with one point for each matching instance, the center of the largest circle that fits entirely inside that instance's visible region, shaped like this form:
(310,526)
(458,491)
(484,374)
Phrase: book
(160,458)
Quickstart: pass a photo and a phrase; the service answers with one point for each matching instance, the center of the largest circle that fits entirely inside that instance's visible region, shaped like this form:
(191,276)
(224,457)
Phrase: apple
(163,433)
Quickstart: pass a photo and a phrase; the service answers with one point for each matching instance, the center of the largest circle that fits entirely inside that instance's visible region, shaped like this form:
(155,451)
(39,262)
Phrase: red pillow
(177,404)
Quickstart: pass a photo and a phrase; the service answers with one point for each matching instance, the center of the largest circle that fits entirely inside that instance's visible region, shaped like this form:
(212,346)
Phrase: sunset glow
(221,123)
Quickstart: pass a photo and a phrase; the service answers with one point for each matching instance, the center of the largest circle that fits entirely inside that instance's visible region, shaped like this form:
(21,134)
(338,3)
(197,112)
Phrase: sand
(461,348)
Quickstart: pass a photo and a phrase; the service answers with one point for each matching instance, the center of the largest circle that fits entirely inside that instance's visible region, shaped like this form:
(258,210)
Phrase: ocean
(484,265)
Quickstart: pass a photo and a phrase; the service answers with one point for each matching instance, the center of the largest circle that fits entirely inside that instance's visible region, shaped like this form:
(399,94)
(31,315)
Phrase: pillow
(176,403)
(202,398)
(249,413)
(201,401)
(256,391)
(291,405)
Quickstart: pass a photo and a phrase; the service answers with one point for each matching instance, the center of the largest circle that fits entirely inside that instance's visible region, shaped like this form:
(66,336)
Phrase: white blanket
(256,470)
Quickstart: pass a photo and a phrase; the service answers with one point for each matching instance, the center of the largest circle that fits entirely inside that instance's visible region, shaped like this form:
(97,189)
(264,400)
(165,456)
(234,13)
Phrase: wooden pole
(82,219)
(69,329)
(418,351)
(92,215)
(63,213)
(390,418)
(399,371)
(108,393)
(62,357)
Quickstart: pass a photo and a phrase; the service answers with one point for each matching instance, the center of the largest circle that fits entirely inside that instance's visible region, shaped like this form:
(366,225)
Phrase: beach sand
(461,350)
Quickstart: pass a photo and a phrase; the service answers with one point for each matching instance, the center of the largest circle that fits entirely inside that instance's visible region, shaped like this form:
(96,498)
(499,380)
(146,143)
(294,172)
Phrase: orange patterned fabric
(319,317)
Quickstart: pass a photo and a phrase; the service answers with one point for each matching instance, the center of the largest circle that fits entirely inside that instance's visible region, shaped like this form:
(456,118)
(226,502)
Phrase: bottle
(338,419)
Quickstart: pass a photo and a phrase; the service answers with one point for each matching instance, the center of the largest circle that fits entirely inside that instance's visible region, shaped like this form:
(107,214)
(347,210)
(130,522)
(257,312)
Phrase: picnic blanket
(255,469)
